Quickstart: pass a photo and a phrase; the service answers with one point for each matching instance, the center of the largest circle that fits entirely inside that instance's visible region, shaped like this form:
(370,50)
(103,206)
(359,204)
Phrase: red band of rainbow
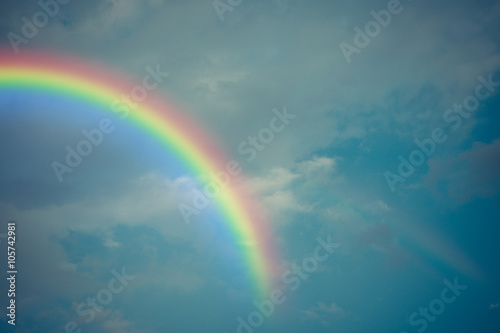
(191,144)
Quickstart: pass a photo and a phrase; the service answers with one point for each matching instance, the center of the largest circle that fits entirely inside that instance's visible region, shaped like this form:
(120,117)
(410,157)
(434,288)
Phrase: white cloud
(276,180)
(218,72)
(149,198)
(280,188)
(109,242)
(115,323)
(318,165)
(378,206)
(285,201)
(324,313)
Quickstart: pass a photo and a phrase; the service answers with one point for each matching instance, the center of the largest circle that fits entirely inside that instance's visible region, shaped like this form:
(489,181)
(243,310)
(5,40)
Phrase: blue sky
(324,175)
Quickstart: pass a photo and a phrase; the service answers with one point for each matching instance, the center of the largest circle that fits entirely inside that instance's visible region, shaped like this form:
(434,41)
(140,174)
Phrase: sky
(391,155)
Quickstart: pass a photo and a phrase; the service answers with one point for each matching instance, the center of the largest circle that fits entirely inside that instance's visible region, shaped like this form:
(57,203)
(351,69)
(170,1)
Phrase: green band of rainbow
(197,151)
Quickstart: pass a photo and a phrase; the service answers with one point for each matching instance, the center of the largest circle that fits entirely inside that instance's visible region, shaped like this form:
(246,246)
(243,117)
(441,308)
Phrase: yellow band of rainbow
(196,150)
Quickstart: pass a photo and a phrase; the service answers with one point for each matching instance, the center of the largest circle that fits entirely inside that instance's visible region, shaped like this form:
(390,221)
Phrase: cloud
(325,314)
(378,206)
(112,17)
(113,322)
(284,201)
(275,180)
(116,323)
(315,178)
(84,226)
(110,242)
(471,174)
(281,189)
(217,74)
(323,166)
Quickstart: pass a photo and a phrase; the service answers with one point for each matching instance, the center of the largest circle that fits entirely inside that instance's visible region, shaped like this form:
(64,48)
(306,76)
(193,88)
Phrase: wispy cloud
(325,313)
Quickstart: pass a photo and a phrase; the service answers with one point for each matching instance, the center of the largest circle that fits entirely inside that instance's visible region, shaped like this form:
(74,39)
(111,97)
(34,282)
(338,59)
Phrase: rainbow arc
(195,148)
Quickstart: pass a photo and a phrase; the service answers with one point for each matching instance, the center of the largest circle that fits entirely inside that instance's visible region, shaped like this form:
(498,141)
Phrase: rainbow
(195,149)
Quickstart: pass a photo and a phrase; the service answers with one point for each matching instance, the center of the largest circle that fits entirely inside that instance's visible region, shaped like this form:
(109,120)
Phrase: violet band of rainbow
(189,142)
